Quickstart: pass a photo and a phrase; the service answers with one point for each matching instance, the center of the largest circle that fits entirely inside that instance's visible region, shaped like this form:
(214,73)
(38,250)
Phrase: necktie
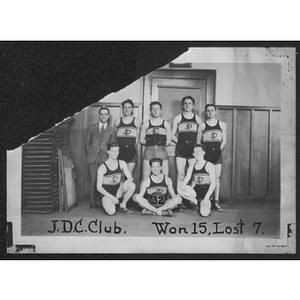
(102,128)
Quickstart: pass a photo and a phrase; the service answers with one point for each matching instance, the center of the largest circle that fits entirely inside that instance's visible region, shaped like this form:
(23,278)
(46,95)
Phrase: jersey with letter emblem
(112,179)
(212,136)
(126,133)
(200,177)
(187,129)
(156,135)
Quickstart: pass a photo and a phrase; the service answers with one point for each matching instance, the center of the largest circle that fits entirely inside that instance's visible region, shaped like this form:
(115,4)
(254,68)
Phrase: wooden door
(169,87)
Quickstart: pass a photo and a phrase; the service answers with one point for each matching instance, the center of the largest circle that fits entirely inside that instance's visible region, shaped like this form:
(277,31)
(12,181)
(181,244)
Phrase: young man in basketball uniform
(128,128)
(156,136)
(111,184)
(184,134)
(156,188)
(199,182)
(213,134)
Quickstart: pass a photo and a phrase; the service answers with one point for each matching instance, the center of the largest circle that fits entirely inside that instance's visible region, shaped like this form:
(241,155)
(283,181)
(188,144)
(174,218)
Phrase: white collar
(102,125)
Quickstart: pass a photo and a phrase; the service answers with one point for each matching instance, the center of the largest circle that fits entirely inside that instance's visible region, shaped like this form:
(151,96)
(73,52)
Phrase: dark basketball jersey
(156,135)
(160,187)
(212,136)
(200,177)
(126,133)
(187,129)
(112,179)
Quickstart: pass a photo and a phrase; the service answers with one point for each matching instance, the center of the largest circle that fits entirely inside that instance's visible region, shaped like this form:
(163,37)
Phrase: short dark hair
(187,97)
(155,103)
(102,108)
(153,160)
(200,146)
(127,101)
(210,104)
(112,145)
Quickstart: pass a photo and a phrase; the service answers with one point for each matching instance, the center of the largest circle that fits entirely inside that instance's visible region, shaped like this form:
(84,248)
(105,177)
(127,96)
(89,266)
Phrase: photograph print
(197,156)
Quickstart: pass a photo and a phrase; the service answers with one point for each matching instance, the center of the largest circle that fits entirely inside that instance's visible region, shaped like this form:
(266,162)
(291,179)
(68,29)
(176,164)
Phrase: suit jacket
(96,143)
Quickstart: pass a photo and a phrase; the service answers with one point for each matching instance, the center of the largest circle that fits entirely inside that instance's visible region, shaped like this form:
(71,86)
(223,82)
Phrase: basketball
(157,199)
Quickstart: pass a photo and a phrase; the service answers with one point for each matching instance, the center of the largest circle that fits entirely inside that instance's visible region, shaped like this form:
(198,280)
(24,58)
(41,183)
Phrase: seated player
(110,182)
(199,183)
(156,187)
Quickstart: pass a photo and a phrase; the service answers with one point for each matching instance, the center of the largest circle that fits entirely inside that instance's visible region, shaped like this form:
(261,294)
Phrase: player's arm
(168,129)
(198,120)
(224,134)
(175,129)
(138,128)
(186,179)
(170,187)
(143,134)
(124,168)
(210,168)
(117,123)
(200,133)
(100,174)
(145,183)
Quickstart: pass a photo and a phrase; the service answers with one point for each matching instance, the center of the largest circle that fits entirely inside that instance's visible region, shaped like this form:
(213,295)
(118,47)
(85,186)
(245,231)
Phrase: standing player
(186,125)
(156,187)
(199,182)
(213,135)
(127,128)
(156,136)
(110,182)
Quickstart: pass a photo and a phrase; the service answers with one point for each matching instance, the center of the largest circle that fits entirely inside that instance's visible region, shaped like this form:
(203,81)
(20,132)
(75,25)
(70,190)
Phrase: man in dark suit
(98,136)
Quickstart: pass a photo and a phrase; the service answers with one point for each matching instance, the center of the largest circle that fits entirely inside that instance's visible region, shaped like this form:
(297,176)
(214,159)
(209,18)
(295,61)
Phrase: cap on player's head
(104,108)
(187,97)
(112,145)
(210,105)
(153,160)
(155,103)
(127,101)
(200,146)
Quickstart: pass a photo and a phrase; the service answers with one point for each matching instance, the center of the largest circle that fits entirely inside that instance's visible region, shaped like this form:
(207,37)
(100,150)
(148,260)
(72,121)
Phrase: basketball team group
(112,157)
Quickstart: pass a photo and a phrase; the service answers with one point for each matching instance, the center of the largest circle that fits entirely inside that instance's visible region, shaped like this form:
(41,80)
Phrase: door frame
(201,74)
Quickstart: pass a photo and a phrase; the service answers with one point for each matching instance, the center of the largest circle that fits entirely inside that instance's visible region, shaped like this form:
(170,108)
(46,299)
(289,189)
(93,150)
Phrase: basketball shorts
(213,155)
(156,152)
(128,153)
(185,149)
(201,191)
(112,189)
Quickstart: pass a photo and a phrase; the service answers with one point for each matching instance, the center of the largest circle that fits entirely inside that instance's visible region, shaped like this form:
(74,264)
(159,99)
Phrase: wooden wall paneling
(269,153)
(211,87)
(226,115)
(233,151)
(275,155)
(259,154)
(242,156)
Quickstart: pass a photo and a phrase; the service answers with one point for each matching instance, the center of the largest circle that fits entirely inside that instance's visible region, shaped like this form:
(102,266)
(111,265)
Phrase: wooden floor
(239,219)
